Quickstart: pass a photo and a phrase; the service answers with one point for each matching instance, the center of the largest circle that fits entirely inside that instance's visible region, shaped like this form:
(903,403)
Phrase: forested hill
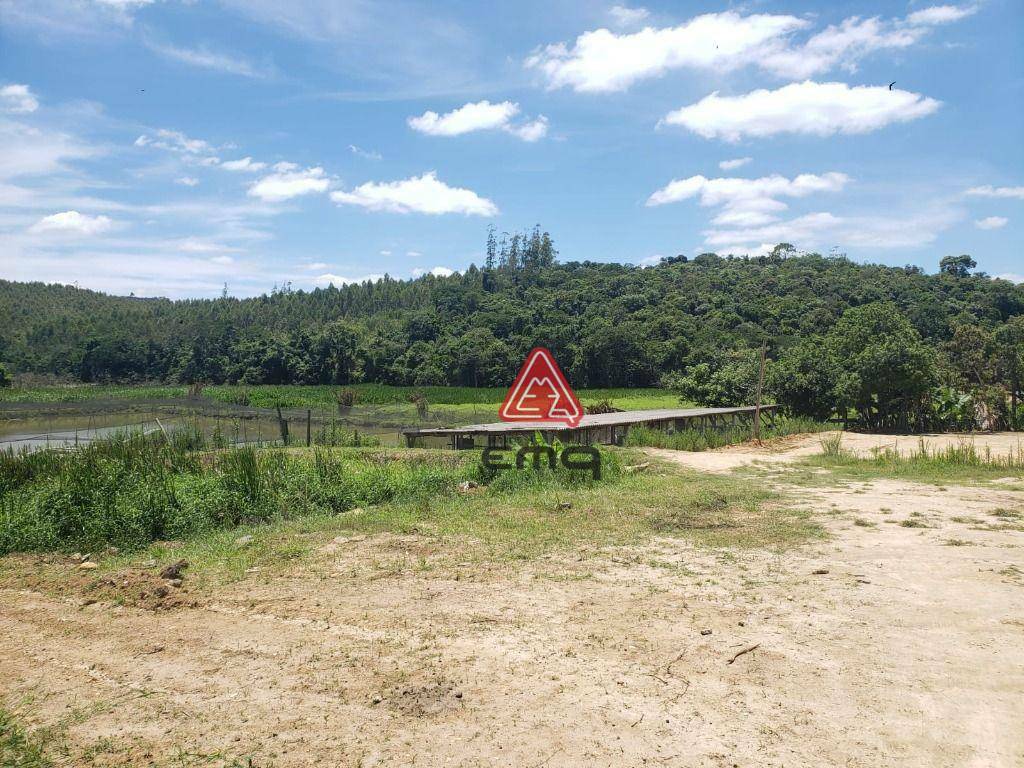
(608,324)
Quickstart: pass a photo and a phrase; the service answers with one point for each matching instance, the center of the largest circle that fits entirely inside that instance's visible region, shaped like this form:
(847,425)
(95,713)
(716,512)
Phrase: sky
(175,147)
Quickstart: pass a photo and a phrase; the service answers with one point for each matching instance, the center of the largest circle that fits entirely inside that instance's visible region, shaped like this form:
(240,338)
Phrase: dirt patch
(795,447)
(881,646)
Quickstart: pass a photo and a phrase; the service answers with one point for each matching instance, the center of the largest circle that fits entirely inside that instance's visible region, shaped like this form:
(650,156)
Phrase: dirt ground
(899,640)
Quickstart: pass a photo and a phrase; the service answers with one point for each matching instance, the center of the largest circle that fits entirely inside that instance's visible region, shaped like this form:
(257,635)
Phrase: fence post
(760,386)
(309,420)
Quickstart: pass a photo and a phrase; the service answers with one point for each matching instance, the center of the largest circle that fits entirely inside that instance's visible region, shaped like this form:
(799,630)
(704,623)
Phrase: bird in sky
(892,84)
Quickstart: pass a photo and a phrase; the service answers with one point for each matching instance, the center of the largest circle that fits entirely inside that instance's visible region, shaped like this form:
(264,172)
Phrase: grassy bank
(951,464)
(703,439)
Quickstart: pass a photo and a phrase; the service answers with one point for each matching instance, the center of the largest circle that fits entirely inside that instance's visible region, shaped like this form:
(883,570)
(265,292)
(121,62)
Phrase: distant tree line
(892,347)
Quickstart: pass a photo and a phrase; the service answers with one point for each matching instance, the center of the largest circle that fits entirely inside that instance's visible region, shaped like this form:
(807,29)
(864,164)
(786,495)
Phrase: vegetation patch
(18,747)
(704,439)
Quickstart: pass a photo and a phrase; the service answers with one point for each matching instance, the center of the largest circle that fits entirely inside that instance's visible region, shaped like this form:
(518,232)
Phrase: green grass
(703,439)
(955,464)
(133,489)
(297,396)
(18,748)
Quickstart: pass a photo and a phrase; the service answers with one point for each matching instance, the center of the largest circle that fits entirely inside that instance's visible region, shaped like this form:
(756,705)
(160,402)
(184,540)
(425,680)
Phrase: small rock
(819,571)
(161,591)
(173,571)
(375,699)
(112,550)
(176,583)
(88,601)
(458,694)
(705,631)
(743,623)
(88,565)
(77,557)
(149,564)
(468,485)
(243,541)
(563,505)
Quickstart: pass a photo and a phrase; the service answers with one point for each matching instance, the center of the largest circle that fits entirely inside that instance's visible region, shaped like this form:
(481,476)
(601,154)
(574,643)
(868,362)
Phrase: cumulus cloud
(479,116)
(246,164)
(731,165)
(187,181)
(989,191)
(18,99)
(288,181)
(602,61)
(419,194)
(747,202)
(624,16)
(436,272)
(991,222)
(174,141)
(820,109)
(72,222)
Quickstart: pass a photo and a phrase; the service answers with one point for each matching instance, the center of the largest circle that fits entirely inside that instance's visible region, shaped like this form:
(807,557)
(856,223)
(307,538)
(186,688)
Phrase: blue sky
(165,147)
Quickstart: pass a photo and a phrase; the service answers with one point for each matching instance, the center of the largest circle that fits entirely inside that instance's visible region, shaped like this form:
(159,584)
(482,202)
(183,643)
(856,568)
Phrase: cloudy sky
(167,147)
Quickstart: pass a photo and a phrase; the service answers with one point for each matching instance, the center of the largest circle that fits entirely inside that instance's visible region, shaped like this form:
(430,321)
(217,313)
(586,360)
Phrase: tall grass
(704,439)
(134,489)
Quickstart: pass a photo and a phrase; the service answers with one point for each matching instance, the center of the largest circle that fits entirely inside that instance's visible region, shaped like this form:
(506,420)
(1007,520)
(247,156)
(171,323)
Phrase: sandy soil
(906,651)
(789,449)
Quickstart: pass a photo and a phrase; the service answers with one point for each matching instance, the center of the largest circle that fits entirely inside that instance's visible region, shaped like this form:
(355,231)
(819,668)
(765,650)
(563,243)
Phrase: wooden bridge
(602,428)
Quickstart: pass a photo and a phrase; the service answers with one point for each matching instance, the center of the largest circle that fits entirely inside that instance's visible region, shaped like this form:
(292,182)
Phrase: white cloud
(989,191)
(413,254)
(289,181)
(187,181)
(650,261)
(125,4)
(174,141)
(941,14)
(479,116)
(246,164)
(732,165)
(436,272)
(72,222)
(531,131)
(205,58)
(366,154)
(339,280)
(29,151)
(1011,276)
(623,16)
(820,109)
(223,259)
(992,222)
(18,99)
(601,60)
(747,202)
(822,229)
(419,194)
(385,253)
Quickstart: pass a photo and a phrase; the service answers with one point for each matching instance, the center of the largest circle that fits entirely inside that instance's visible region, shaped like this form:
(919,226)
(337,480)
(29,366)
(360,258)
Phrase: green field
(469,399)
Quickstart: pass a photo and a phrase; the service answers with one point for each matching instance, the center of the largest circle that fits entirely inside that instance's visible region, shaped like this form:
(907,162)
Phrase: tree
(1009,356)
(888,370)
(957,266)
(6,380)
(807,382)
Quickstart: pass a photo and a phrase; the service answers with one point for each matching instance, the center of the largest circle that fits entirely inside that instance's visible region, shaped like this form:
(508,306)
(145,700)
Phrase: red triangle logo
(540,393)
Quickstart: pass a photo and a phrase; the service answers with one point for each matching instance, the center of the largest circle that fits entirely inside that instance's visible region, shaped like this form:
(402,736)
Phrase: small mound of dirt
(429,699)
(140,589)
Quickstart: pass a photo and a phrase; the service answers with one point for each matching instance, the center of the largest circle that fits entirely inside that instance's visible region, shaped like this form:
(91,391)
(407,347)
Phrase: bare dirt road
(898,640)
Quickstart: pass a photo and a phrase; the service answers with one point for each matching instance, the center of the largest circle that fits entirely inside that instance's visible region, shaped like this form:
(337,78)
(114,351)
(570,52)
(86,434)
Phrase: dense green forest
(893,344)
